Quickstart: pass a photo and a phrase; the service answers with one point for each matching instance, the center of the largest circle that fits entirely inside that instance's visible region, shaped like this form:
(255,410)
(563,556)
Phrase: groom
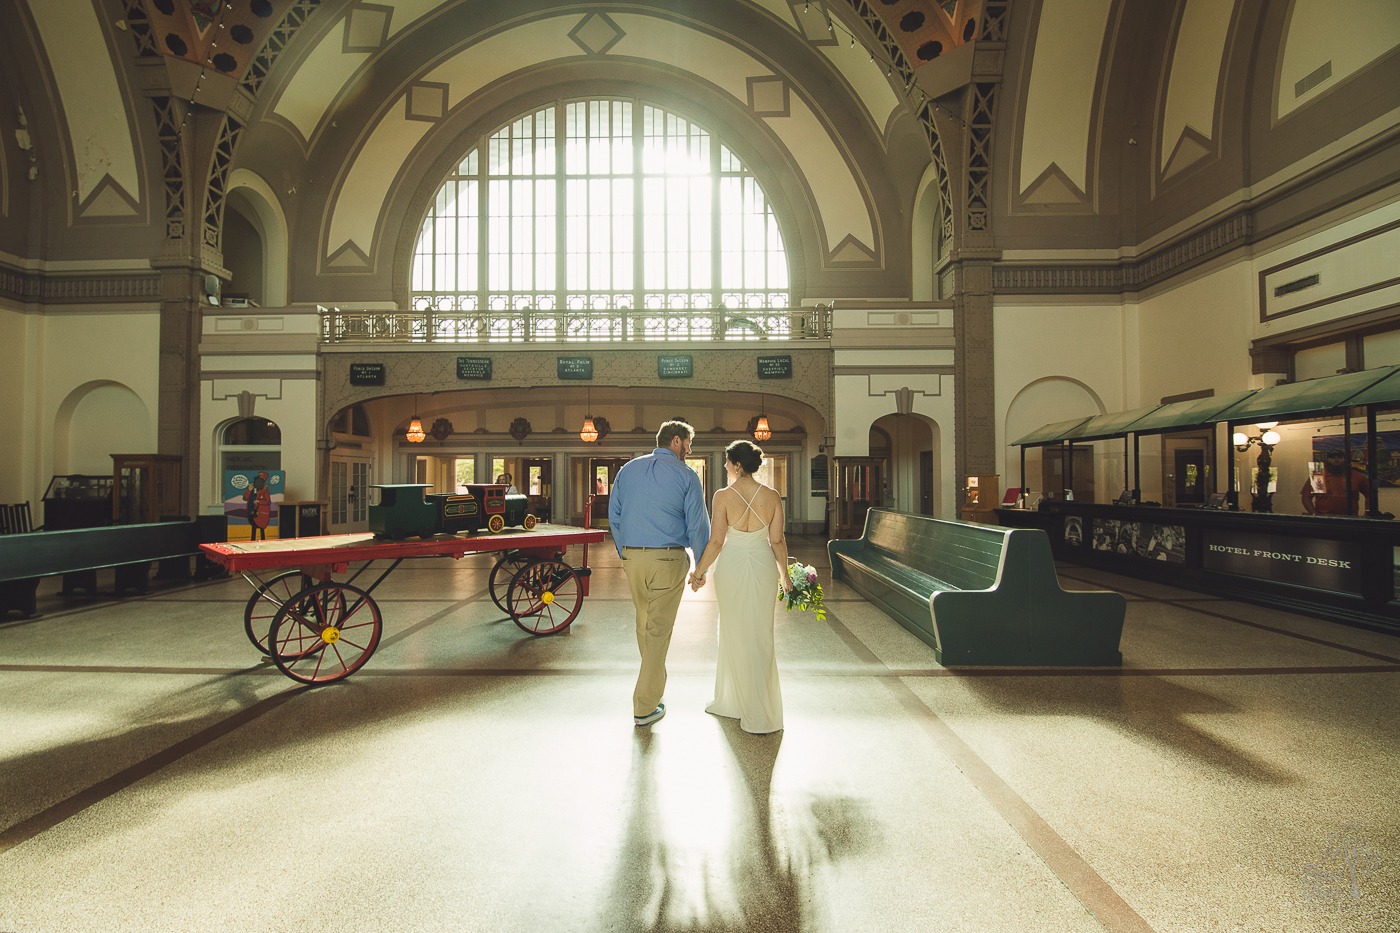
(656,511)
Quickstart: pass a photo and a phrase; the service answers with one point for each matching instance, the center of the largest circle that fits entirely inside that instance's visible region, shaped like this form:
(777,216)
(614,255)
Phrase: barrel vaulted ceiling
(844,103)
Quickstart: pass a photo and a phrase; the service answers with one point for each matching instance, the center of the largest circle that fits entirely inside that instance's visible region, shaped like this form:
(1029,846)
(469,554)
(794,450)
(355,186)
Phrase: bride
(749,554)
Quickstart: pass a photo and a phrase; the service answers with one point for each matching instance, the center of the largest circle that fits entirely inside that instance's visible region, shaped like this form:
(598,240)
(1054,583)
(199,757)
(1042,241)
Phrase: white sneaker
(651,717)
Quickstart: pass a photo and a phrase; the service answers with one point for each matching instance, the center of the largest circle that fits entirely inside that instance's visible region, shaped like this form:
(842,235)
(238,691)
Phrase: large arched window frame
(593,206)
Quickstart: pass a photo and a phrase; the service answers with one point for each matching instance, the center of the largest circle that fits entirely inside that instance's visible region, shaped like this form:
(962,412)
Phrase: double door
(349,498)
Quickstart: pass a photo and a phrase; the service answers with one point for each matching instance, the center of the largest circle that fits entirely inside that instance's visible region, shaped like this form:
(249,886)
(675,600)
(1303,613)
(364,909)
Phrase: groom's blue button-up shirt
(656,501)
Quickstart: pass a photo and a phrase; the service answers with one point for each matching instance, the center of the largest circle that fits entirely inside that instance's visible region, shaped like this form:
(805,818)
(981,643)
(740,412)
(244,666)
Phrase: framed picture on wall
(1387,453)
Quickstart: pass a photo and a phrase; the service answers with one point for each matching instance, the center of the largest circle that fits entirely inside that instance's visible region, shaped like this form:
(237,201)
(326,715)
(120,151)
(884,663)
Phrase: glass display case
(147,487)
(859,488)
(77,501)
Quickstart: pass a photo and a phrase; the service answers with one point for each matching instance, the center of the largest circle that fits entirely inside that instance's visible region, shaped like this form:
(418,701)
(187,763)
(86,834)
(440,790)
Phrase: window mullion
(638,206)
(561,207)
(716,240)
(483,228)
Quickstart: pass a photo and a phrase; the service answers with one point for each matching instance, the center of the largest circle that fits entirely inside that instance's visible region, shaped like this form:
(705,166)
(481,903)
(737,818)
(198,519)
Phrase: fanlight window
(594,206)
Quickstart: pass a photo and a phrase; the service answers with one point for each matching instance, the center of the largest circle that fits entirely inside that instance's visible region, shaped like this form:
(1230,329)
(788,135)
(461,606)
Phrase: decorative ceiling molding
(51,289)
(1127,275)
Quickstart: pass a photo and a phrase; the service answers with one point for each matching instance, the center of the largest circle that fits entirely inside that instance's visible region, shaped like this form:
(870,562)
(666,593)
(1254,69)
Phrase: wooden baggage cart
(318,629)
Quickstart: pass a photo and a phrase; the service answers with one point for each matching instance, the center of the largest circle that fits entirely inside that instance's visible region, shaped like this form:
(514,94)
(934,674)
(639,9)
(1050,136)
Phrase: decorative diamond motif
(596,33)
(366,27)
(769,96)
(427,101)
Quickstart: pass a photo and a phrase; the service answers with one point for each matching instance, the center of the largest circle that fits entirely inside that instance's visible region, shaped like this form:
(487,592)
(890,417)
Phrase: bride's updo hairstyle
(747,454)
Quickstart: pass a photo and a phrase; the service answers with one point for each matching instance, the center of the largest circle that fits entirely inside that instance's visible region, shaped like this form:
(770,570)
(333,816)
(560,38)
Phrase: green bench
(130,549)
(979,594)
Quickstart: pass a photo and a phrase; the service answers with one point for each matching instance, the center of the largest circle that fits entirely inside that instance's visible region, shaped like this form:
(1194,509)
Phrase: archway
(1042,402)
(255,240)
(96,420)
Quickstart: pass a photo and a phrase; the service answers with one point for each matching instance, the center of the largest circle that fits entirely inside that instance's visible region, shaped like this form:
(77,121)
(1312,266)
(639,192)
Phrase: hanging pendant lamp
(415,433)
(589,432)
(761,430)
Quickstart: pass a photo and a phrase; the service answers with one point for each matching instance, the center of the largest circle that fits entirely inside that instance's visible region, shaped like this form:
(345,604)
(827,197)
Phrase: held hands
(697,580)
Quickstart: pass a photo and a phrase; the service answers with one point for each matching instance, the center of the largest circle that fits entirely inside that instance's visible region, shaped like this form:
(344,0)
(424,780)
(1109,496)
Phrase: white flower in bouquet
(806,594)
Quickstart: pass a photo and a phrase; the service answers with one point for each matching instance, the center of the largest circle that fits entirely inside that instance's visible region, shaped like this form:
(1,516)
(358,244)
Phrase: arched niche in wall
(1045,401)
(1042,402)
(924,240)
(255,241)
(96,420)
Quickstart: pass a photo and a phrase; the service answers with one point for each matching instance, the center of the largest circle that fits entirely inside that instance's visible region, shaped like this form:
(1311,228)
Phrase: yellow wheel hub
(330,634)
(547,598)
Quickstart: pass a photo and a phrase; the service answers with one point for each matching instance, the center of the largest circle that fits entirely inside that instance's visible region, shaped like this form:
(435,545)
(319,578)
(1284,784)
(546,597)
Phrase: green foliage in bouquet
(806,592)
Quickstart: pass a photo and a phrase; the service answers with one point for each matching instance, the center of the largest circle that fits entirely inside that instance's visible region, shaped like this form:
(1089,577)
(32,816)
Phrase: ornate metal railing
(591,326)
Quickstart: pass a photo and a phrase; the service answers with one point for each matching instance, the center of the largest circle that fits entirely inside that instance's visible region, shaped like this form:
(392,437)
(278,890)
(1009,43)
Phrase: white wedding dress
(746,587)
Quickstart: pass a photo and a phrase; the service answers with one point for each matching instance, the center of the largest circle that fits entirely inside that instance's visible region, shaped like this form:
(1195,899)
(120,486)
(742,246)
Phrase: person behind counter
(1326,493)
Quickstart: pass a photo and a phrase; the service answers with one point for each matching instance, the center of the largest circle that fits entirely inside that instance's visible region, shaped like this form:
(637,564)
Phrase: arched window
(251,444)
(597,205)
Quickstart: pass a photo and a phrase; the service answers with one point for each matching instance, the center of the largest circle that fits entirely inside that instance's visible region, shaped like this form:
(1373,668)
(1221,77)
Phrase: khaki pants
(657,580)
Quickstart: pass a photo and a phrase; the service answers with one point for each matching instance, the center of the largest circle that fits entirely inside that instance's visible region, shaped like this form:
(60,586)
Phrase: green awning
(1308,397)
(1387,390)
(1113,424)
(1192,413)
(1049,433)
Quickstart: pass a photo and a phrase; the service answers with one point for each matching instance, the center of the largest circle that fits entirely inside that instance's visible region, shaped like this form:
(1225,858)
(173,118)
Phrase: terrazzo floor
(1239,772)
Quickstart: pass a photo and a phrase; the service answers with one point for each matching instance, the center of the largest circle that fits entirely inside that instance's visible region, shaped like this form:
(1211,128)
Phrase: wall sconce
(415,433)
(1267,439)
(761,430)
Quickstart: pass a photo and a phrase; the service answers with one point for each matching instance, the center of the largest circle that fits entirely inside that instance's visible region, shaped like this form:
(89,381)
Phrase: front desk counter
(1336,567)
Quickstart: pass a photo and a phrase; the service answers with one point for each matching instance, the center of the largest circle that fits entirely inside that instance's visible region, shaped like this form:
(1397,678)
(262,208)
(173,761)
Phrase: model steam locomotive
(406,511)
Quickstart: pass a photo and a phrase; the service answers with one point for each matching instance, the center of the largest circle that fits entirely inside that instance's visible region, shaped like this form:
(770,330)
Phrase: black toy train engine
(406,511)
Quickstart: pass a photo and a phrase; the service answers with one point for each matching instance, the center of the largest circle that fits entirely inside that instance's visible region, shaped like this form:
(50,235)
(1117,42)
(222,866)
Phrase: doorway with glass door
(349,498)
(598,488)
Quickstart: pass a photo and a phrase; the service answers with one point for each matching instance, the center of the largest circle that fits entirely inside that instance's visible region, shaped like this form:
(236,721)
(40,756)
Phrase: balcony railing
(575,326)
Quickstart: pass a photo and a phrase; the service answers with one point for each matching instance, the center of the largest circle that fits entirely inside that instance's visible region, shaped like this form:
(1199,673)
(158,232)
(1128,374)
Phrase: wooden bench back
(966,556)
(16,519)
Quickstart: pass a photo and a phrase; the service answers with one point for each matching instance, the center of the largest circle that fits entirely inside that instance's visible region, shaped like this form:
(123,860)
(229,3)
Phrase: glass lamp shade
(1239,439)
(589,432)
(1271,437)
(1266,426)
(415,433)
(761,431)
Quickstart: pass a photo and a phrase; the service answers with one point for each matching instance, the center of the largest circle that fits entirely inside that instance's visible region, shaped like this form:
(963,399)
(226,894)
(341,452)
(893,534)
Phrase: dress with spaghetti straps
(746,587)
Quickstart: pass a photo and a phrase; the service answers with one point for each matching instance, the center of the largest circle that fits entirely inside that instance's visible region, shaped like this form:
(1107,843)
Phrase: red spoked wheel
(325,633)
(507,566)
(529,522)
(545,596)
(496,524)
(266,600)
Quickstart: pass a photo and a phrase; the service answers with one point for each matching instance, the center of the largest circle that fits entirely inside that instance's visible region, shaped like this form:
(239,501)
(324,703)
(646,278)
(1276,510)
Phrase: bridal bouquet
(806,591)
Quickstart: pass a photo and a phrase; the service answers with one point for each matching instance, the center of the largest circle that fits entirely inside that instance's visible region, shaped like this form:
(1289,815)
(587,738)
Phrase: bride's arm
(719,527)
(778,542)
